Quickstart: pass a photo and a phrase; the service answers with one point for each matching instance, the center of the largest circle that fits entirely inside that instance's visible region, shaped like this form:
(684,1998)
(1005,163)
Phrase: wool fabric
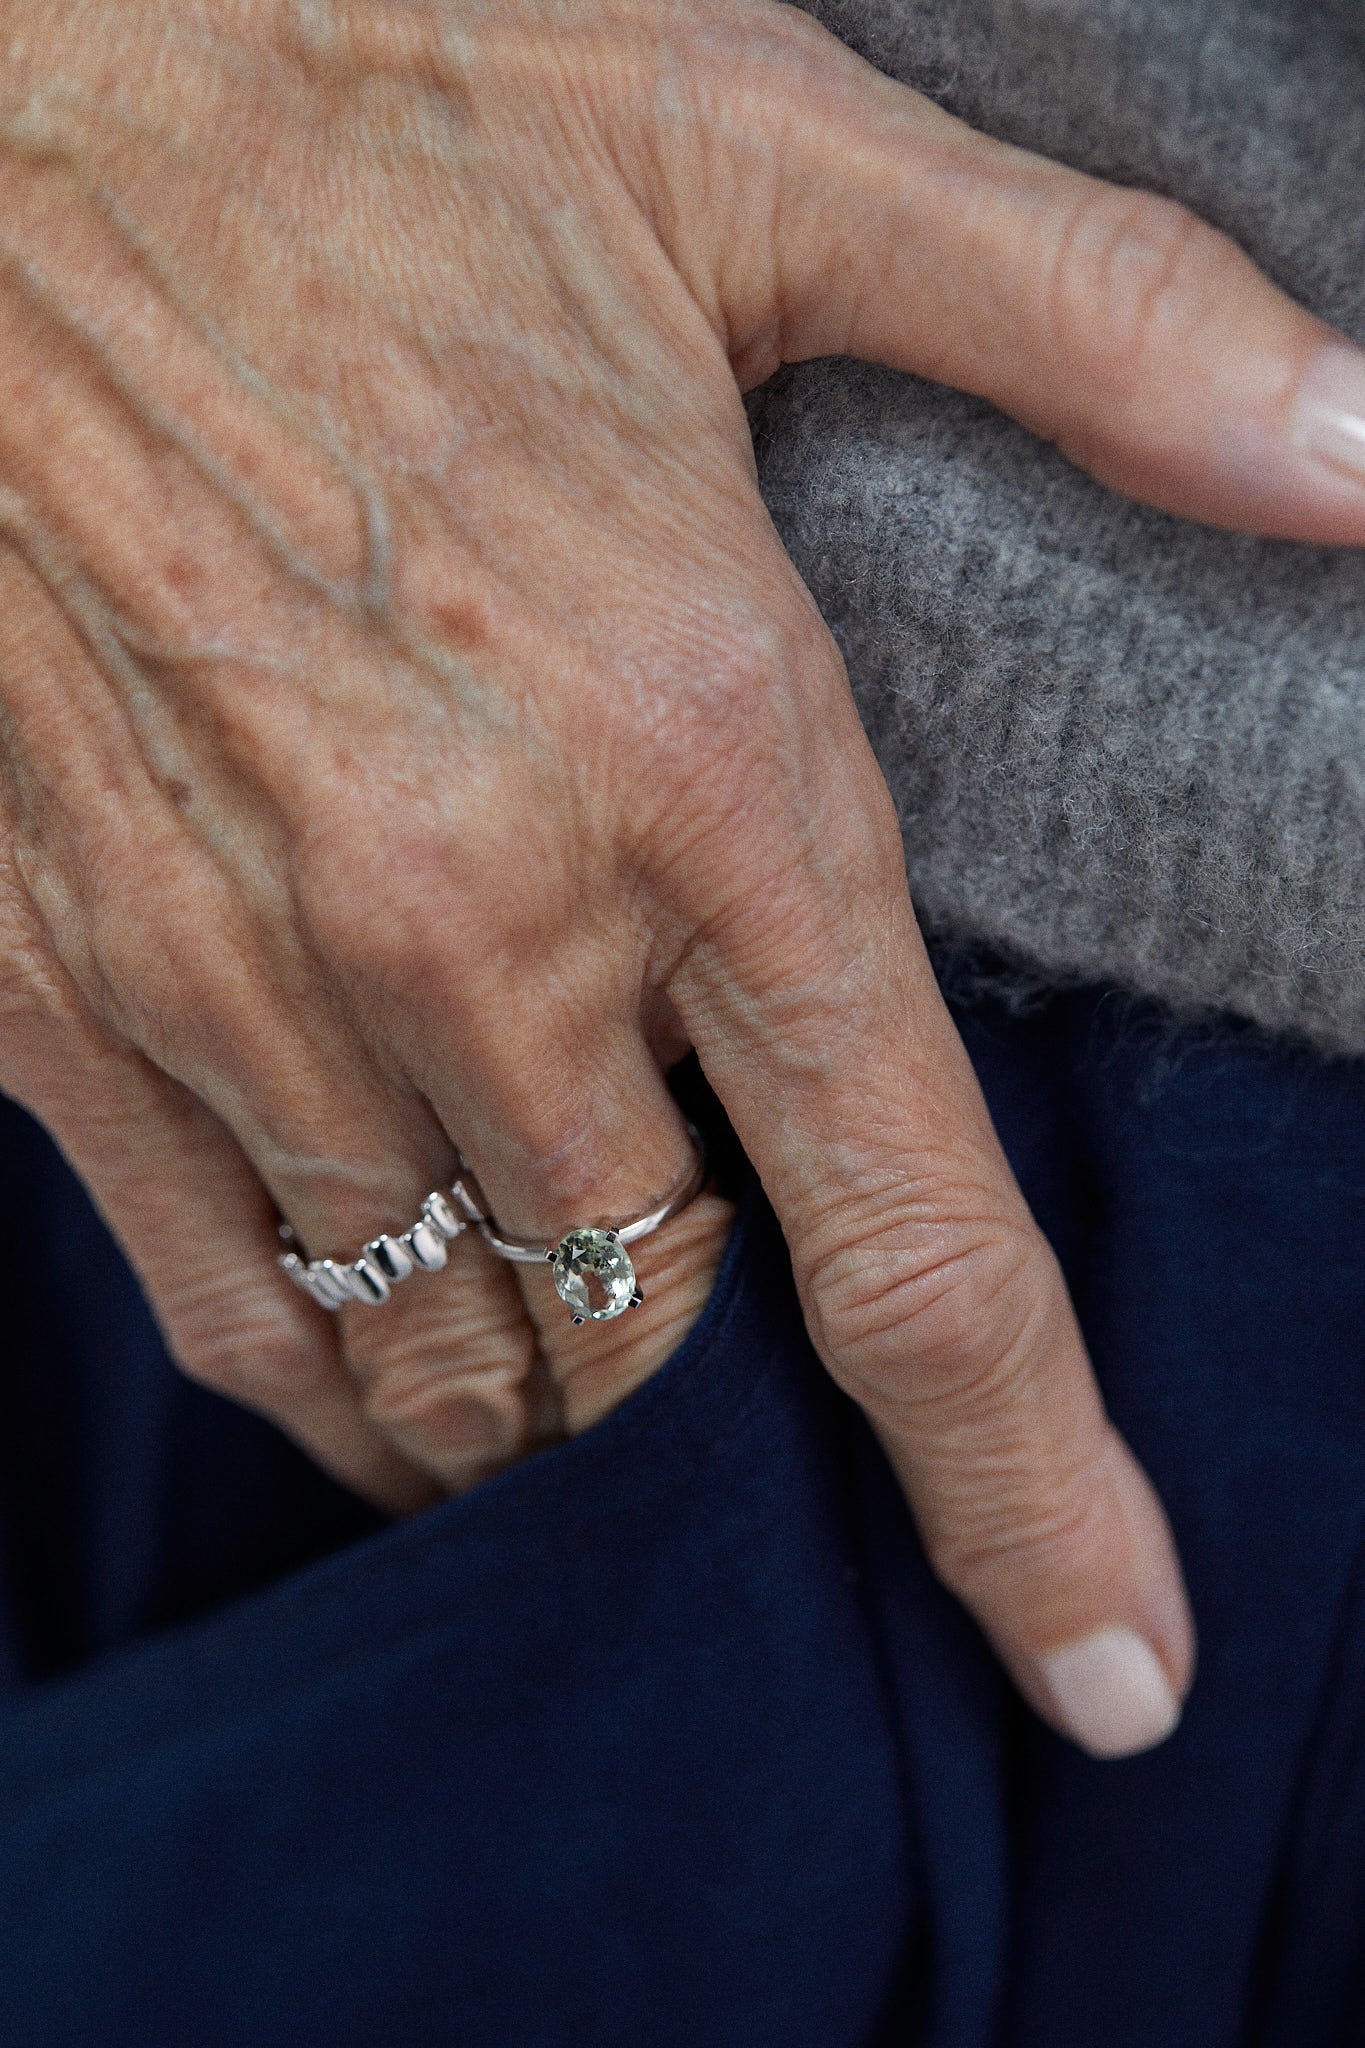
(1123,746)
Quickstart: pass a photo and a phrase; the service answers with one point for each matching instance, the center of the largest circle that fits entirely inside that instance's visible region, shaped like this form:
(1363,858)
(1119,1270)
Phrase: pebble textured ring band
(386,1260)
(587,1254)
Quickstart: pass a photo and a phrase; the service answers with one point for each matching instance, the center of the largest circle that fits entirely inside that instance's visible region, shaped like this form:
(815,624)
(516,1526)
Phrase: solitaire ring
(386,1260)
(591,1254)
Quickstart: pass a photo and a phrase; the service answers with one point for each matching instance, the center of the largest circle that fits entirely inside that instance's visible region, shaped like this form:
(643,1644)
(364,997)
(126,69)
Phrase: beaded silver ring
(388,1259)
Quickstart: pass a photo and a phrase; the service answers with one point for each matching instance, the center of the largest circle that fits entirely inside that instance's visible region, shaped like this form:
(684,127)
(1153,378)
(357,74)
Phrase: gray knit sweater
(1123,746)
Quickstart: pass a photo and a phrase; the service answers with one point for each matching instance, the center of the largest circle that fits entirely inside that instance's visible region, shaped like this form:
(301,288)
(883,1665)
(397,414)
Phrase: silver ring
(590,1252)
(386,1260)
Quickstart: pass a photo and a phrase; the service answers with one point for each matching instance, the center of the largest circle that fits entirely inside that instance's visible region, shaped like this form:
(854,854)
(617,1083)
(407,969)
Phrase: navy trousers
(668,1738)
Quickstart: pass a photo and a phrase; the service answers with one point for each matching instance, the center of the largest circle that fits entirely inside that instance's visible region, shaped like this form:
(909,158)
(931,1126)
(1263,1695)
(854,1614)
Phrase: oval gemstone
(593,1274)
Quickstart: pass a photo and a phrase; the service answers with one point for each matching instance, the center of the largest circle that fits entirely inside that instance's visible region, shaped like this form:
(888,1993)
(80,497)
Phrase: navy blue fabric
(669,1736)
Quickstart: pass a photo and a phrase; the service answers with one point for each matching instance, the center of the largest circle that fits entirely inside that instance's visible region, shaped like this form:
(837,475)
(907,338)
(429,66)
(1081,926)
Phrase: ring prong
(637,1300)
(579,1320)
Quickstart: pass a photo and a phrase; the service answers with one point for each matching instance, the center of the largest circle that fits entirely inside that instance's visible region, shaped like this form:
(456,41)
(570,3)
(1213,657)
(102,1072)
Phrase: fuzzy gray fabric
(1123,747)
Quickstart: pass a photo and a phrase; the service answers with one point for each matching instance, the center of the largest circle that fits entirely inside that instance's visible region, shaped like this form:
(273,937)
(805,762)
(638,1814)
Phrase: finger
(866,221)
(565,1117)
(431,1391)
(596,1365)
(199,1229)
(444,1359)
(928,1289)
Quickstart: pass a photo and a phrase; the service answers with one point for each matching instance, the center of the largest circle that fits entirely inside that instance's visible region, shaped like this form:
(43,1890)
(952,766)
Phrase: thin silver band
(532,1251)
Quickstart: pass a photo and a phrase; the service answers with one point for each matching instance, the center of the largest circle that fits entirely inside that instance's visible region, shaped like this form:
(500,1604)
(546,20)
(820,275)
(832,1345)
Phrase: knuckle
(549,1141)
(560,1156)
(771,64)
(257,1351)
(396,911)
(745,813)
(935,1300)
(359,902)
(410,946)
(743,669)
(1130,275)
(451,1416)
(428,1342)
(721,685)
(419,1347)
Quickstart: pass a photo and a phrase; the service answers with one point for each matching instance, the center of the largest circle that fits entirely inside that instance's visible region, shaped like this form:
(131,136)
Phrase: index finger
(929,1291)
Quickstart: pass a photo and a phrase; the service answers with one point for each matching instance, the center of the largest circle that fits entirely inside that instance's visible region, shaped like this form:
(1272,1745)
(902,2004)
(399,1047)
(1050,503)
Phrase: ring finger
(446,1359)
(607,1151)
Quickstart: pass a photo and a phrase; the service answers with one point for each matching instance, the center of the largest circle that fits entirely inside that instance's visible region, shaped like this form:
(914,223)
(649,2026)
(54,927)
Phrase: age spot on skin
(461,622)
(181,573)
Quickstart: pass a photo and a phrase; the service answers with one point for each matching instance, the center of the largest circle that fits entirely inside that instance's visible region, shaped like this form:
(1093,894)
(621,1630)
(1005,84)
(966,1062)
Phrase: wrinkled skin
(414,735)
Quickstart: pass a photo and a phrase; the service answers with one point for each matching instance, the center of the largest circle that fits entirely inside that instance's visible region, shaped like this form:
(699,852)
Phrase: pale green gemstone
(593,1274)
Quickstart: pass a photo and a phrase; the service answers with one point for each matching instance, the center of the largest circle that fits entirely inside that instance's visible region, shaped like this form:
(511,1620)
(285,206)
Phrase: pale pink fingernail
(1111,1691)
(1328,417)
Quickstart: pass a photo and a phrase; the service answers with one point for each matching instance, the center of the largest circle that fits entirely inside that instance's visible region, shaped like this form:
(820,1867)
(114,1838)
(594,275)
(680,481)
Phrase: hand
(414,734)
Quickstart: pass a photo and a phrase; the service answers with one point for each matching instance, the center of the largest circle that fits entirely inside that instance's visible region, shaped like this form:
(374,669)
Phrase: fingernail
(1110,1690)
(1329,412)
